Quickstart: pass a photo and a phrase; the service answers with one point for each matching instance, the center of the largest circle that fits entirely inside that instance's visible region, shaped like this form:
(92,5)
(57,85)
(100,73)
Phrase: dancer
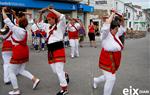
(56,51)
(43,39)
(73,33)
(35,29)
(20,52)
(5,34)
(110,55)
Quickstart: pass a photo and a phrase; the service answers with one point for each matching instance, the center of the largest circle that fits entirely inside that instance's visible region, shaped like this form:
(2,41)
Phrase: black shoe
(62,92)
(7,83)
(67,78)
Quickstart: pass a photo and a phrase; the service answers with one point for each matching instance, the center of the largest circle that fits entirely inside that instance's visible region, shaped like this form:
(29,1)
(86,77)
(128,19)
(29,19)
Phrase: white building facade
(139,19)
(135,17)
(129,15)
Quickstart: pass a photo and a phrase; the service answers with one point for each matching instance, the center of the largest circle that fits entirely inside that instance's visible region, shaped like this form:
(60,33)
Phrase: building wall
(130,16)
(140,20)
(88,2)
(147,14)
(109,4)
(104,5)
(119,6)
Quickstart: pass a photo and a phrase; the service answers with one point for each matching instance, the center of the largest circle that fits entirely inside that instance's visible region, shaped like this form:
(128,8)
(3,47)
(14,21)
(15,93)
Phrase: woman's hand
(43,10)
(50,7)
(4,9)
(4,12)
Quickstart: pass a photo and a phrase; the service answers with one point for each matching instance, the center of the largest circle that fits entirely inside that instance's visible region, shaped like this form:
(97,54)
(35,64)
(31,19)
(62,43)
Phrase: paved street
(134,71)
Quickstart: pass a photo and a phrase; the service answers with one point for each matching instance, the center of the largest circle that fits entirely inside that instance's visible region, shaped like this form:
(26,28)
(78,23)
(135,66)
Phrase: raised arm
(7,21)
(109,20)
(14,14)
(122,28)
(11,26)
(40,18)
(106,26)
(81,24)
(122,21)
(54,11)
(4,13)
(51,9)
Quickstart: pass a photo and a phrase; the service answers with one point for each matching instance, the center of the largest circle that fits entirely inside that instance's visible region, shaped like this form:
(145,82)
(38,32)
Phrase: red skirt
(56,56)
(7,46)
(109,61)
(20,54)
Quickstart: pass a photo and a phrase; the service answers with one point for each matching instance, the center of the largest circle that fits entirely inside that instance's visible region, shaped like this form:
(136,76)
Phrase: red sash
(37,32)
(74,34)
(20,53)
(43,33)
(51,32)
(118,42)
(7,45)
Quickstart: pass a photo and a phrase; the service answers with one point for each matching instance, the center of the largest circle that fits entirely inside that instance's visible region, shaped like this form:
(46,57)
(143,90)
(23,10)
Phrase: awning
(38,4)
(85,8)
(45,3)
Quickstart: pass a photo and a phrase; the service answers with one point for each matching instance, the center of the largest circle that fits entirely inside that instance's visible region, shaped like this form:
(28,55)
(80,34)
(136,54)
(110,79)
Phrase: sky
(144,3)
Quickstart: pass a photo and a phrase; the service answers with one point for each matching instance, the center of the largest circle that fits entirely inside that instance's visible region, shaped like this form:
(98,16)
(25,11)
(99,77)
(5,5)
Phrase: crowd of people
(56,35)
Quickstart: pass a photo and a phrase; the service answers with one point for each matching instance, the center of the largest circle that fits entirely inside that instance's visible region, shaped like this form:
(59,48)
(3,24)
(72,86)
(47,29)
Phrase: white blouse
(57,34)
(71,28)
(108,42)
(18,32)
(4,36)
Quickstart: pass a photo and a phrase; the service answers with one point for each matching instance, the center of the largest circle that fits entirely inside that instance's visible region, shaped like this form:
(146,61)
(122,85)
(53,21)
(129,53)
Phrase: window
(128,15)
(130,24)
(101,2)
